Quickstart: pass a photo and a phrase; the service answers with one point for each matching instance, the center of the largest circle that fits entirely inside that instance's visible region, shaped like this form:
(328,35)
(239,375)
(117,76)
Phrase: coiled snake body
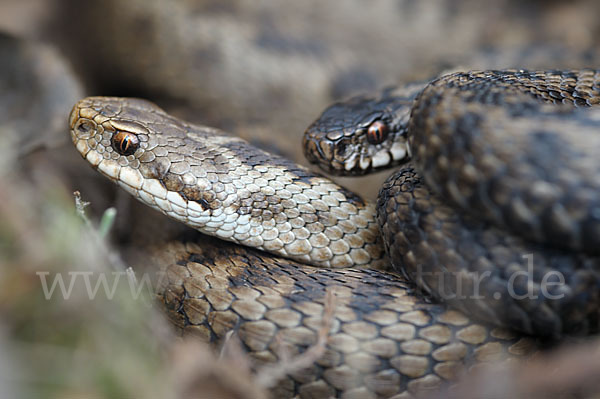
(382,340)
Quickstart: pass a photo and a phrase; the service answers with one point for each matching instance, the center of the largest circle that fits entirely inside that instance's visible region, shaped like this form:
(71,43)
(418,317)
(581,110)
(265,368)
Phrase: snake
(512,155)
(304,238)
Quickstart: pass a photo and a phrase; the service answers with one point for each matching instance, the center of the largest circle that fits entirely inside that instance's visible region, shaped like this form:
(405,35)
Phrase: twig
(268,376)
(232,350)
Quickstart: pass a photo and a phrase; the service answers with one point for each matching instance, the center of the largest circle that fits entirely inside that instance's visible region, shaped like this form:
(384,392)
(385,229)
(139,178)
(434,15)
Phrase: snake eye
(377,132)
(125,143)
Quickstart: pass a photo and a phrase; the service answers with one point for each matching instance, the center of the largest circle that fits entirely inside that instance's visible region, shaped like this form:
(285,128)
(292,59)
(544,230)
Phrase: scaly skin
(381,339)
(507,151)
(225,187)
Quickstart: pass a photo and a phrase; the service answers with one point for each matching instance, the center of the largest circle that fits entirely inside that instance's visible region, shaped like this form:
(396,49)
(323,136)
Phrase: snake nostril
(85,128)
(341,147)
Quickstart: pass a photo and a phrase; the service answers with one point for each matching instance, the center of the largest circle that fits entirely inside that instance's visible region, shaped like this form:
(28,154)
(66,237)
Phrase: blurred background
(263,70)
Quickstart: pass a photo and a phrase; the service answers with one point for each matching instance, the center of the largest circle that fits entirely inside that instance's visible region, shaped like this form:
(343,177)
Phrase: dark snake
(470,132)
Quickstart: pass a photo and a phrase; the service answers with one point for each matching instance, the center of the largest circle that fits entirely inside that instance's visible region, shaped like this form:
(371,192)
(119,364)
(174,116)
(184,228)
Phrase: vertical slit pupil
(377,132)
(125,143)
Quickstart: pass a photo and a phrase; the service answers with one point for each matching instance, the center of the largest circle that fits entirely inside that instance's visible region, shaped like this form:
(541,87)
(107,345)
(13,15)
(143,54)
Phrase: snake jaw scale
(132,177)
(109,168)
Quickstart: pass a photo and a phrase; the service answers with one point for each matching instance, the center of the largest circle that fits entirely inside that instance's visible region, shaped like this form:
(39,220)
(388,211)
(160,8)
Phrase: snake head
(223,186)
(361,135)
(137,145)
(108,138)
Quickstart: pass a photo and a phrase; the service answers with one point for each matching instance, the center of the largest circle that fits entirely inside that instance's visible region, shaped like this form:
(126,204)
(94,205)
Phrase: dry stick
(268,376)
(232,350)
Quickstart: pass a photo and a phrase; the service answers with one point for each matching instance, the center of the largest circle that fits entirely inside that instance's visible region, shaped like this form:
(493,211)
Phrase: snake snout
(322,152)
(73,116)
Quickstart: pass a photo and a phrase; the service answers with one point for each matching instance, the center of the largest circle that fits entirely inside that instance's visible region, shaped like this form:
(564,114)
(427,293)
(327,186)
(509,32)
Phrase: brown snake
(383,340)
(499,151)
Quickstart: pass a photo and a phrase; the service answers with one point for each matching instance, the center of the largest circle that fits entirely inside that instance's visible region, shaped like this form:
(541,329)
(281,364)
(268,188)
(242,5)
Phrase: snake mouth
(344,157)
(331,157)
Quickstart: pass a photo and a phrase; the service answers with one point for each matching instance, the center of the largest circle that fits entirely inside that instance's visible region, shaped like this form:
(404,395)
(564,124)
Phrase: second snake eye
(125,143)
(377,132)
